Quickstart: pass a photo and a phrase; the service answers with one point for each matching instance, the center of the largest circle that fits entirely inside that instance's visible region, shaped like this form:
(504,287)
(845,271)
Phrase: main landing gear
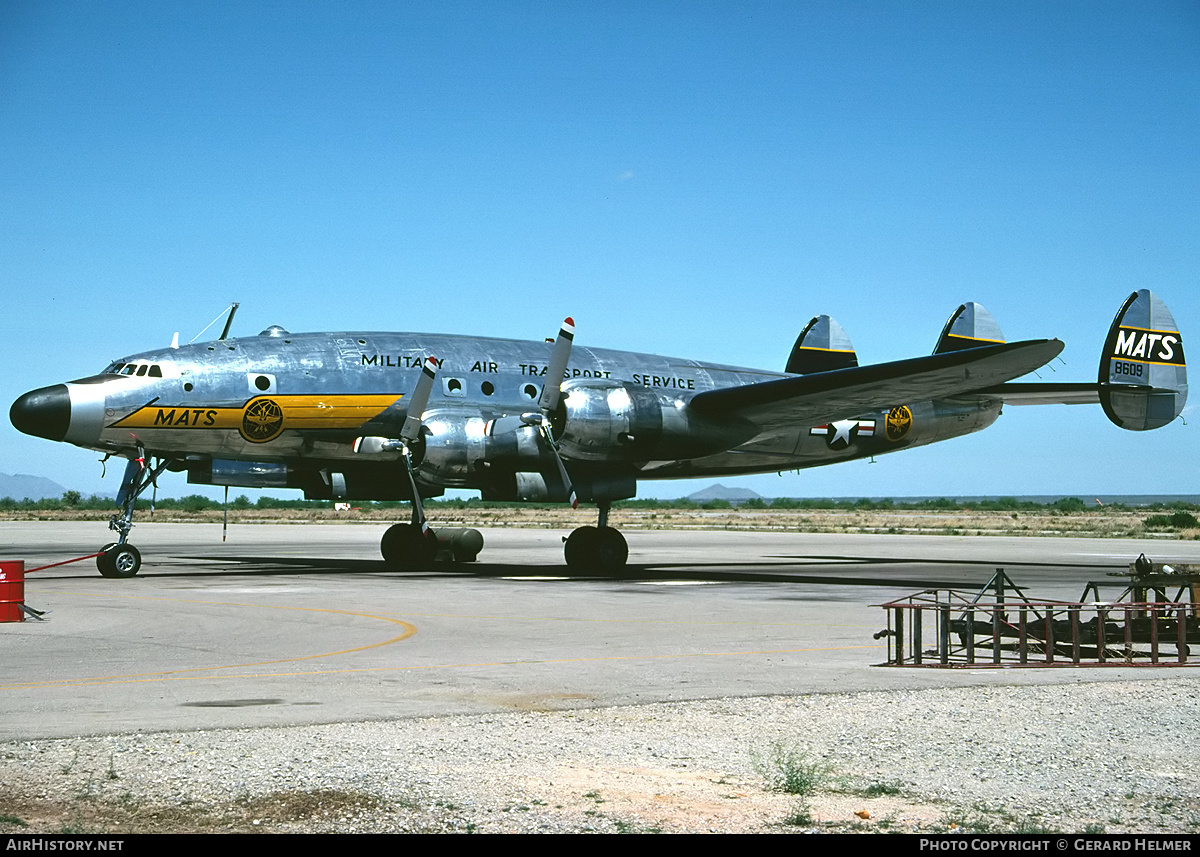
(588,550)
(120,559)
(596,550)
(405,546)
(415,545)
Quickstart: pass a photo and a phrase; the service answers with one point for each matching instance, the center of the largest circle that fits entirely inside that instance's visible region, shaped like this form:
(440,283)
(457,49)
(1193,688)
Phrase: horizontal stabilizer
(1046,394)
(1143,375)
(969,327)
(847,393)
(821,347)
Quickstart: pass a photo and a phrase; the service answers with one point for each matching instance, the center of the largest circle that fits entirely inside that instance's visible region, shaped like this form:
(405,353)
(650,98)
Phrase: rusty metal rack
(1153,622)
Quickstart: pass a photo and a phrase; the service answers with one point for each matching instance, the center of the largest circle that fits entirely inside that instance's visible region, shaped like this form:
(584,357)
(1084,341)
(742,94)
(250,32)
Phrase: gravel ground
(1084,756)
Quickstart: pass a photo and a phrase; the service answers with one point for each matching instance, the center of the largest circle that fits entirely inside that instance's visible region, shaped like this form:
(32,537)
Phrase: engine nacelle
(615,422)
(453,448)
(597,423)
(463,449)
(611,422)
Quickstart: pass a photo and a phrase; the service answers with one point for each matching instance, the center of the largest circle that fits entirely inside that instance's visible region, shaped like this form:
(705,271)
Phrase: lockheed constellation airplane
(386,416)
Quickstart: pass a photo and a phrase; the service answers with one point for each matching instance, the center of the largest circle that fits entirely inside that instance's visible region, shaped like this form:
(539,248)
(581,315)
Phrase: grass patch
(791,770)
(1176,521)
(984,819)
(800,816)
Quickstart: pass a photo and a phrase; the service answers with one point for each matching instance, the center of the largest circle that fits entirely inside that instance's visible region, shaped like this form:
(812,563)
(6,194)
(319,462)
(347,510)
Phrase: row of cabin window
(453,385)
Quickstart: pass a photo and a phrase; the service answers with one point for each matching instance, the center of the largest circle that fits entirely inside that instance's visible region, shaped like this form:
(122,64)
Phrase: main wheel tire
(404,546)
(596,551)
(612,552)
(119,561)
(580,548)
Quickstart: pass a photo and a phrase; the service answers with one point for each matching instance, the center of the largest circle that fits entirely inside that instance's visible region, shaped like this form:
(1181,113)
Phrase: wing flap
(844,393)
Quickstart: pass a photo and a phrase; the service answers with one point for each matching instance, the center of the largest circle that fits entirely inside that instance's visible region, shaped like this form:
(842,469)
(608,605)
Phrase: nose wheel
(120,561)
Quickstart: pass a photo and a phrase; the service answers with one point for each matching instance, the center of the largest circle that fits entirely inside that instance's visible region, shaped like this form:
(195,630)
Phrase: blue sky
(694,179)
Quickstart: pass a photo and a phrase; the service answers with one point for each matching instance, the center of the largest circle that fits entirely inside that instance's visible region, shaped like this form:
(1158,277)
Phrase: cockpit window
(142,370)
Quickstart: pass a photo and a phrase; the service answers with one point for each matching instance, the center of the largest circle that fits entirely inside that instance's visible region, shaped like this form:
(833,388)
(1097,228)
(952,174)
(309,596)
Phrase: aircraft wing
(845,393)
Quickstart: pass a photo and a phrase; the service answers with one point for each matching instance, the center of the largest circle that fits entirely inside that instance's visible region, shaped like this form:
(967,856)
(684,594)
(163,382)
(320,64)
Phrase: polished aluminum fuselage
(301,400)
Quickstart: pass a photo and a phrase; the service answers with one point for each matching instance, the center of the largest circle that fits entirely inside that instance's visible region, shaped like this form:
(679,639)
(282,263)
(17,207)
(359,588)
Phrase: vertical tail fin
(821,347)
(970,326)
(1143,375)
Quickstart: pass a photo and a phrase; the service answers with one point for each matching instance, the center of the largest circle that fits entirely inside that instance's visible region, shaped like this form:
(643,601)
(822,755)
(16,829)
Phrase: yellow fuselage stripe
(299,412)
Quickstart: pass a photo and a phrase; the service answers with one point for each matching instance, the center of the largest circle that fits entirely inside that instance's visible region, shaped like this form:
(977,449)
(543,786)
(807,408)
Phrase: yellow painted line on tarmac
(193,673)
(409,630)
(175,675)
(672,622)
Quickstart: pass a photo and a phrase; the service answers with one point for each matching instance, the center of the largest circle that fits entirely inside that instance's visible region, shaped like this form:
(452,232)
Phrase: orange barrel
(12,591)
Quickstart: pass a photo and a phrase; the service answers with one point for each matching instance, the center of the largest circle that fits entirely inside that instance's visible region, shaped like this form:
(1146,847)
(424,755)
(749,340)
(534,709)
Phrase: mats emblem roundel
(898,422)
(262,421)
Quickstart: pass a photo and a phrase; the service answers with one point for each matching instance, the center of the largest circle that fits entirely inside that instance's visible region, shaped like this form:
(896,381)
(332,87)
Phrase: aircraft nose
(43,413)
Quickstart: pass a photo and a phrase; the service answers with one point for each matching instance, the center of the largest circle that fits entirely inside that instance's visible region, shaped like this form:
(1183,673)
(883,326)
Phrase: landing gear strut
(120,559)
(411,545)
(596,550)
(415,545)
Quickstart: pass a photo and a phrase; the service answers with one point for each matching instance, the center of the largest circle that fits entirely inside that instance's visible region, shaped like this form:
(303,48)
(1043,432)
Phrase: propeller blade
(559,356)
(419,399)
(562,467)
(418,509)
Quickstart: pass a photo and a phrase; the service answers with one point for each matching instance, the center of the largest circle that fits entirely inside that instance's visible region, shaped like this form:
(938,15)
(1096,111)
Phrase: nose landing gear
(120,559)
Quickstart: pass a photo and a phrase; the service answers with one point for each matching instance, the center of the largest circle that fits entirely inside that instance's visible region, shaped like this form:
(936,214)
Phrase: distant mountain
(721,492)
(19,486)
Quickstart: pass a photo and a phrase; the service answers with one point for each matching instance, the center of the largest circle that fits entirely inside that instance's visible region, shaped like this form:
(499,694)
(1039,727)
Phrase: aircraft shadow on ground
(812,570)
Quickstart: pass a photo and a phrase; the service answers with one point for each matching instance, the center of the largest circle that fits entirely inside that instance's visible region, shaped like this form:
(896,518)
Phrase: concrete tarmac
(298,624)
